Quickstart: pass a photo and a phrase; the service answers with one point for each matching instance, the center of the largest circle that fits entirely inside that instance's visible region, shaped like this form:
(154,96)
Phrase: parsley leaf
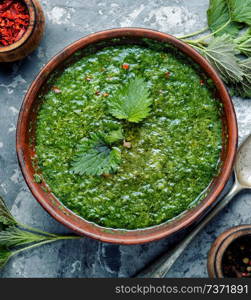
(96,157)
(132,102)
(221,54)
(218,14)
(240,10)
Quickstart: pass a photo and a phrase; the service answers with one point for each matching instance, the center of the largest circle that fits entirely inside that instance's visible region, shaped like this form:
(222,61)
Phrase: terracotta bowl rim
(29,31)
(78,224)
(220,246)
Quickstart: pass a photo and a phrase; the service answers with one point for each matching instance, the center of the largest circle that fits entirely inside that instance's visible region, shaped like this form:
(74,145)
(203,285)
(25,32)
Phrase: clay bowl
(26,132)
(30,39)
(219,247)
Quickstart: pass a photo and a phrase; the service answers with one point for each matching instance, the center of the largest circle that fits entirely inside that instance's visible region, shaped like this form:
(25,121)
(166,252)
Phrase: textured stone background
(67,21)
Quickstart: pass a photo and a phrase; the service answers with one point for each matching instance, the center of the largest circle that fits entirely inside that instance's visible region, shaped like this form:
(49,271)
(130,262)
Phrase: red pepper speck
(167,75)
(56,90)
(125,66)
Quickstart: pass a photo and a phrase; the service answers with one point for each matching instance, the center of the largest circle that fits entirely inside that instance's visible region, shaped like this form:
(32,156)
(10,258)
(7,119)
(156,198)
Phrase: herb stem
(44,242)
(193,33)
(194,42)
(36,230)
(212,33)
(198,48)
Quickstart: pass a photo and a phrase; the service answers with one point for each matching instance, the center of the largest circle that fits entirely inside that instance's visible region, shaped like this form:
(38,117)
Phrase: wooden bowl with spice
(230,254)
(22,26)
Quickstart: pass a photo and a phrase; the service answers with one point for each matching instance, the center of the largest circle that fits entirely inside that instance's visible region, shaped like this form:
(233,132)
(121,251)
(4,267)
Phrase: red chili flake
(202,82)
(125,66)
(14,21)
(56,90)
(97,93)
(167,75)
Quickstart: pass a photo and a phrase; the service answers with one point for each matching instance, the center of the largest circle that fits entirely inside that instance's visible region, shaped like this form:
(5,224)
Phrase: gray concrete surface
(67,21)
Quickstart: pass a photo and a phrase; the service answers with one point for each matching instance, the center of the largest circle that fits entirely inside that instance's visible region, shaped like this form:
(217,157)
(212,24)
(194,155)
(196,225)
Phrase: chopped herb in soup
(129,136)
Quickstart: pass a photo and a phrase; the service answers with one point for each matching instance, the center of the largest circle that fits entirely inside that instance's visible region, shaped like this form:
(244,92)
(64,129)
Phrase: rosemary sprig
(16,237)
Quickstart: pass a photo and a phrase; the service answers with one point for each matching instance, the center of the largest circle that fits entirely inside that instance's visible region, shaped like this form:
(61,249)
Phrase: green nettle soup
(166,160)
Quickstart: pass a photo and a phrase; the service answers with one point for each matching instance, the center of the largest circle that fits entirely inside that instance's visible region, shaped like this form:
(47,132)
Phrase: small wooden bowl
(220,245)
(26,141)
(30,39)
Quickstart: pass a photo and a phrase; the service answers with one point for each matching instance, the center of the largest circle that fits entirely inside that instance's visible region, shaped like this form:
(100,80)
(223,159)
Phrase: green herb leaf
(114,136)
(244,89)
(13,236)
(221,54)
(96,157)
(4,256)
(244,43)
(132,102)
(218,15)
(240,10)
(6,218)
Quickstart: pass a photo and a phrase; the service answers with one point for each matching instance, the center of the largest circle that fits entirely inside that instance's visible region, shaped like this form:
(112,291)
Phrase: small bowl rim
(78,224)
(28,32)
(219,247)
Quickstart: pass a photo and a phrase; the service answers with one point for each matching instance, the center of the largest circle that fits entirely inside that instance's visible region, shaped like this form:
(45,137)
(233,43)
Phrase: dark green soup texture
(174,152)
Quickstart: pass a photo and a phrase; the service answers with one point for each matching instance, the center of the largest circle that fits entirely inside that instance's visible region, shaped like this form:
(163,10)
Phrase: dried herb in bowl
(236,261)
(14,21)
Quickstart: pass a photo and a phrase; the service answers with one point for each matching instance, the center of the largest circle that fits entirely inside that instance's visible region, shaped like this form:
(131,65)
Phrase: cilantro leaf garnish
(132,102)
(96,156)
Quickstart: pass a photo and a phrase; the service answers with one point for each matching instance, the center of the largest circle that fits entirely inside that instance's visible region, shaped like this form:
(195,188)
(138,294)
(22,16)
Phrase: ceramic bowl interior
(26,138)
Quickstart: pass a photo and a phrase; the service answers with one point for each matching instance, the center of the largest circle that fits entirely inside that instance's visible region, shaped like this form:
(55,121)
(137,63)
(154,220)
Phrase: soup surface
(169,158)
